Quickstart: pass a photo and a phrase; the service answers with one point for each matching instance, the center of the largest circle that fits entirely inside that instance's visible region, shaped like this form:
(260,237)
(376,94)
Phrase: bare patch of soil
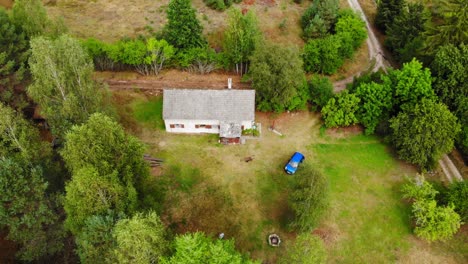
(342,132)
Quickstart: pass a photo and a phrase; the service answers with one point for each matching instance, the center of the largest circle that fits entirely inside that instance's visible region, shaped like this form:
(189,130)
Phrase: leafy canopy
(341,110)
(278,78)
(423,132)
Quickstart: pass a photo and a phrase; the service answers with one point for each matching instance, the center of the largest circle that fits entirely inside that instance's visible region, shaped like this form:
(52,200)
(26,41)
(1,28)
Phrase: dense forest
(76,188)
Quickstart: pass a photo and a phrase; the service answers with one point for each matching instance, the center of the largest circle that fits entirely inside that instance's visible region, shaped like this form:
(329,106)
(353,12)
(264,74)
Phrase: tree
(13,55)
(62,82)
(279,82)
(350,22)
(89,193)
(240,39)
(323,55)
(220,4)
(404,35)
(387,12)
(376,103)
(451,85)
(452,30)
(341,110)
(321,91)
(102,143)
(456,195)
(26,212)
(319,18)
(309,198)
(423,132)
(140,239)
(411,83)
(183,30)
(307,249)
(20,140)
(31,17)
(95,243)
(435,222)
(193,248)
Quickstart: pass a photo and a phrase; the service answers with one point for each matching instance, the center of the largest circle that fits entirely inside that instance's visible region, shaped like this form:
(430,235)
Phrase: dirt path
(377,59)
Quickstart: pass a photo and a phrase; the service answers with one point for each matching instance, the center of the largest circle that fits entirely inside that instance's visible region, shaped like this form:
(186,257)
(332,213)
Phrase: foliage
(404,35)
(199,60)
(318,20)
(26,212)
(102,143)
(387,12)
(327,54)
(20,140)
(183,30)
(423,132)
(240,39)
(341,110)
(95,242)
(451,85)
(376,103)
(307,249)
(309,198)
(456,195)
(452,30)
(434,222)
(323,55)
(89,193)
(13,56)
(350,22)
(193,248)
(62,82)
(98,51)
(278,78)
(321,91)
(411,84)
(419,189)
(31,17)
(140,239)
(220,4)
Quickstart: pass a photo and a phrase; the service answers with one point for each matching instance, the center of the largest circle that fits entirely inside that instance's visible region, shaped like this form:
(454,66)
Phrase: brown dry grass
(6,3)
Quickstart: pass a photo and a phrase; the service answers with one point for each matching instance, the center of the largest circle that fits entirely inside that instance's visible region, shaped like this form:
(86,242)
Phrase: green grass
(149,112)
(372,222)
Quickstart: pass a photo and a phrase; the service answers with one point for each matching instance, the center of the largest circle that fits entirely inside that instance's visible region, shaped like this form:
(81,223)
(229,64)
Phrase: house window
(203,126)
(176,125)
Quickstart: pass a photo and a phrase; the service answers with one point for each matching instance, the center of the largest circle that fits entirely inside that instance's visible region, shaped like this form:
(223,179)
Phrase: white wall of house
(197,126)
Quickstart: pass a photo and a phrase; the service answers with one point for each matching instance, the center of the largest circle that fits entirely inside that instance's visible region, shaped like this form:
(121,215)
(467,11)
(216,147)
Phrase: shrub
(309,198)
(323,55)
(199,60)
(220,4)
(350,22)
(341,110)
(457,194)
(321,91)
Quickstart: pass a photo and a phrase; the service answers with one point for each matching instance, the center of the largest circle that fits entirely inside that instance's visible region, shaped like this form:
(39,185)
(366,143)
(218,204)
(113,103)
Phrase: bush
(350,22)
(341,110)
(323,55)
(309,198)
(457,194)
(321,91)
(433,222)
(199,60)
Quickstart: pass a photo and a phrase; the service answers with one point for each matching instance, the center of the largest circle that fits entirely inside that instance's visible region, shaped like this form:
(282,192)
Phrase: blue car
(293,163)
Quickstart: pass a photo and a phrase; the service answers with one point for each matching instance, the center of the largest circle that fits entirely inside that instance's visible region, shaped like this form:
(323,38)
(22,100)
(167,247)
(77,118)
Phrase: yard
(209,187)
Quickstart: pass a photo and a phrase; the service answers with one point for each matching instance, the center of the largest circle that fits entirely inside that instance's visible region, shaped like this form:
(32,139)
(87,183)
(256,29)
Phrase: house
(224,112)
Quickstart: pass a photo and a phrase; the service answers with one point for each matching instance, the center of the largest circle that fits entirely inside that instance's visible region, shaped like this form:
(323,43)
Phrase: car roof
(297,156)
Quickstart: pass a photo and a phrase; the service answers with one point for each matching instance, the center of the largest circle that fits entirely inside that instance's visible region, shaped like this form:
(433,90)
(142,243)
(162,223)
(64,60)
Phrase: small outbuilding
(224,112)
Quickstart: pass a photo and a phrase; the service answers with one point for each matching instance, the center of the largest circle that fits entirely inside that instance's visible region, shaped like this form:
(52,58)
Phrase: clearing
(209,187)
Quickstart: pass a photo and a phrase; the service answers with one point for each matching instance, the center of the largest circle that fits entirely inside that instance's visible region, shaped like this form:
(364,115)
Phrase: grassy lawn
(209,187)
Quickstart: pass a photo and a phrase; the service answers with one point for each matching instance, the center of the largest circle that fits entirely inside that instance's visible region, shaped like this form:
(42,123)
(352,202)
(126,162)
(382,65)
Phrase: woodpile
(153,162)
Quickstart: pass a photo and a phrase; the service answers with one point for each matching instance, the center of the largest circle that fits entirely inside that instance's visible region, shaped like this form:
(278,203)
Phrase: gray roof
(222,105)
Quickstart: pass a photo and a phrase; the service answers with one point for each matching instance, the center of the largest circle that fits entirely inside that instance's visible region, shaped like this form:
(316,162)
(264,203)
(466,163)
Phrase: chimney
(229,83)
